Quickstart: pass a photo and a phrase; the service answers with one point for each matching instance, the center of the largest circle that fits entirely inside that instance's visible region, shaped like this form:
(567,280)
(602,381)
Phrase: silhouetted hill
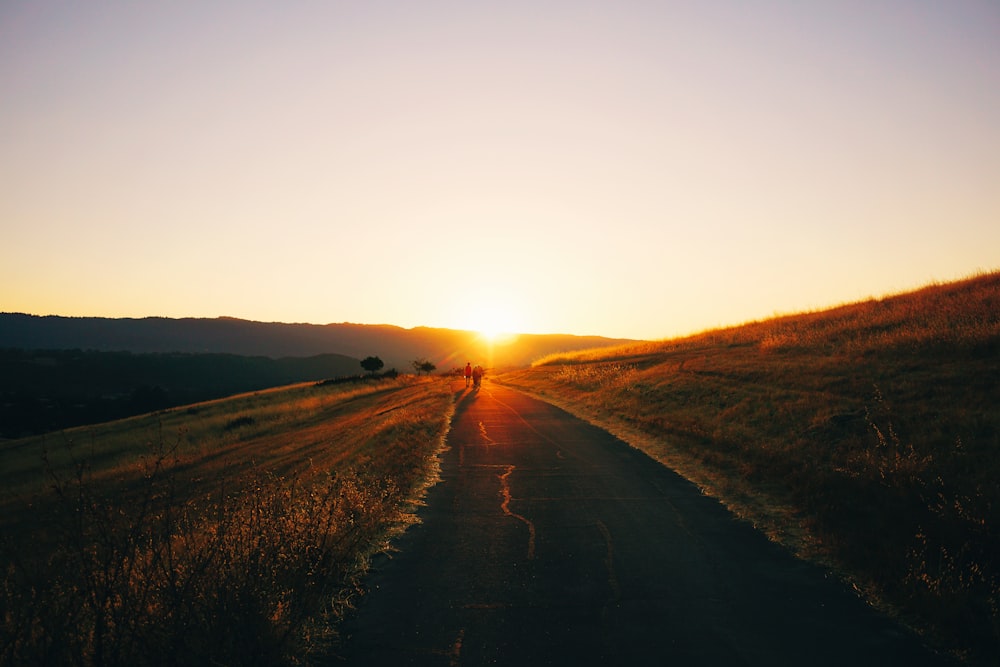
(397,347)
(47,390)
(57,372)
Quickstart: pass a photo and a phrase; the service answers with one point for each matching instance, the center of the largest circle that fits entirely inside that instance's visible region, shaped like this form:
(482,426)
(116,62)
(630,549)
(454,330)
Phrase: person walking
(477,376)
(468,373)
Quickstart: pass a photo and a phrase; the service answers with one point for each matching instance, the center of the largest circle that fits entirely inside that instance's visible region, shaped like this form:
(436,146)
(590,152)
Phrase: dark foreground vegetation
(225,533)
(873,429)
(47,390)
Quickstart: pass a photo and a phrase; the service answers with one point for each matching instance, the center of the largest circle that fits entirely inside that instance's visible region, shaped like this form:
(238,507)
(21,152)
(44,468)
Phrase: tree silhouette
(423,366)
(372,364)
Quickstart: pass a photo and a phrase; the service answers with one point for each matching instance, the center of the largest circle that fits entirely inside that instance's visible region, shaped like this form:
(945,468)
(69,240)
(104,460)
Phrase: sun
(491,326)
(494,323)
(490,331)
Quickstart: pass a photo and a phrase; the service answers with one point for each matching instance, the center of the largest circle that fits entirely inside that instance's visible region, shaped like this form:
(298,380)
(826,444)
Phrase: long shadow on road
(550,542)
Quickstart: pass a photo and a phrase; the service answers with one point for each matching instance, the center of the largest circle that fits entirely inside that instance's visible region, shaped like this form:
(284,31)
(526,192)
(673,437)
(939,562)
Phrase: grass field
(866,437)
(230,532)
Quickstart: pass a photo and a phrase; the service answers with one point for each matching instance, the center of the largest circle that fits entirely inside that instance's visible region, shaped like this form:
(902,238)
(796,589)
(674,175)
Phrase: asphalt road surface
(550,542)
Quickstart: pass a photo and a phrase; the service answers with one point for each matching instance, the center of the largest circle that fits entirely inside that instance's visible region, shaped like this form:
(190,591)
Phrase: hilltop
(864,436)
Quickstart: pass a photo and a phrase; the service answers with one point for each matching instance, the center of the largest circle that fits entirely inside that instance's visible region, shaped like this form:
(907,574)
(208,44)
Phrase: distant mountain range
(397,347)
(59,372)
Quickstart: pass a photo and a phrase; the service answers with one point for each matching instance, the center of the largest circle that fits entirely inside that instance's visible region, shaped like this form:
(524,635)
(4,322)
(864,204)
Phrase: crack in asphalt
(455,657)
(505,506)
(487,438)
(616,589)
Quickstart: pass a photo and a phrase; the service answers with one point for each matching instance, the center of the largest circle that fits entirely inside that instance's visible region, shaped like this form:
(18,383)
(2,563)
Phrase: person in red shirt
(468,373)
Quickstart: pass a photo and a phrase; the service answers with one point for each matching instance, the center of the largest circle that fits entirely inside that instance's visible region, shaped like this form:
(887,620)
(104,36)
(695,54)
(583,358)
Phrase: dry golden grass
(229,532)
(865,436)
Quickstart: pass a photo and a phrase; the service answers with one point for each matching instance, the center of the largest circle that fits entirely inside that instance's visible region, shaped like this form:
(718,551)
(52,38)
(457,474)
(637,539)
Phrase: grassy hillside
(867,436)
(228,532)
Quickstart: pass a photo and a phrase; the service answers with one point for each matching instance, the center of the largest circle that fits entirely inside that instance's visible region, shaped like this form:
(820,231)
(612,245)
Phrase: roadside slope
(864,437)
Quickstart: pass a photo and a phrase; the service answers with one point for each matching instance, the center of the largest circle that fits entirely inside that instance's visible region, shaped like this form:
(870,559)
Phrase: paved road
(550,542)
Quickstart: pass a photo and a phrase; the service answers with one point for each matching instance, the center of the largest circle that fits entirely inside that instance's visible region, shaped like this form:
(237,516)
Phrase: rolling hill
(59,372)
(397,347)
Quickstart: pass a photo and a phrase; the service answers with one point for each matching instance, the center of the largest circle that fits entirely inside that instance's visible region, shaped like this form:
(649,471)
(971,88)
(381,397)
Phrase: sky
(632,169)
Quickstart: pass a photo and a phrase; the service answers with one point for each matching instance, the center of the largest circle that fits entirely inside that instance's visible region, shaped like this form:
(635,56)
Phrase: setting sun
(493,322)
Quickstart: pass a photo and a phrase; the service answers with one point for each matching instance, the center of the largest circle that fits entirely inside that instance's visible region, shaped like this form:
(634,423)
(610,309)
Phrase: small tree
(372,364)
(423,366)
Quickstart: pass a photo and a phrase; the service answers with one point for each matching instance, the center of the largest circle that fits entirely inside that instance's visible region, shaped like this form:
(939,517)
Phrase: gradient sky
(627,168)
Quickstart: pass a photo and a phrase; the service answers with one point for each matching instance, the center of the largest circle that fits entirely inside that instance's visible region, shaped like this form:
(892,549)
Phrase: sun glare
(491,328)
(493,323)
